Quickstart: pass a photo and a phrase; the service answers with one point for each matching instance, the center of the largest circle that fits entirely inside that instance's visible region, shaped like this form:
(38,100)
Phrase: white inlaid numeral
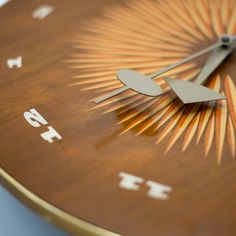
(36,120)
(42,12)
(14,62)
(158,191)
(130,182)
(155,190)
(3,2)
(50,135)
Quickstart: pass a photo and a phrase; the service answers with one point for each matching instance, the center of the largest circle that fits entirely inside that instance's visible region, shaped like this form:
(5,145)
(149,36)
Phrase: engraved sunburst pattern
(146,36)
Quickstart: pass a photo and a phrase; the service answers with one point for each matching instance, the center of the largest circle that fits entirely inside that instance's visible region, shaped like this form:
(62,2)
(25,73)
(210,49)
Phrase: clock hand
(110,95)
(124,74)
(135,81)
(213,62)
(190,92)
(186,60)
(225,41)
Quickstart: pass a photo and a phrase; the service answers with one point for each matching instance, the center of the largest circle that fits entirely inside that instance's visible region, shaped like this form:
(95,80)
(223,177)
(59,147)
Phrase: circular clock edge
(50,212)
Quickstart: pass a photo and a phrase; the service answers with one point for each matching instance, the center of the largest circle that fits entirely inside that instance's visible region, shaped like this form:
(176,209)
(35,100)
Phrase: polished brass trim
(51,213)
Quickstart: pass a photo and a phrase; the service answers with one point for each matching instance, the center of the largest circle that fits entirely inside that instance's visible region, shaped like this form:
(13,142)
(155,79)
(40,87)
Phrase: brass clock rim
(50,212)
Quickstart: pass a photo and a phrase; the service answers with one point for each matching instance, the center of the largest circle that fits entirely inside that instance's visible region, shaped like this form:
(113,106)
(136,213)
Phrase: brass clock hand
(190,92)
(130,83)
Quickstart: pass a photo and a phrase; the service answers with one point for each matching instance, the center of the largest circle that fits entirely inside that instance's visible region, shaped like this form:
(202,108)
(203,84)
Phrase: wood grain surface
(80,173)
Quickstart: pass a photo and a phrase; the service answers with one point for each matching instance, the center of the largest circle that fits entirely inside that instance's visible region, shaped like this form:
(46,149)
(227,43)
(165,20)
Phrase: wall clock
(119,117)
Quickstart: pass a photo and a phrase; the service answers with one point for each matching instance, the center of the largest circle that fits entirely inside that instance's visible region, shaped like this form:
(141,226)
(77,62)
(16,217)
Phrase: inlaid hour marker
(50,135)
(4,2)
(155,190)
(42,12)
(14,62)
(130,182)
(158,191)
(36,120)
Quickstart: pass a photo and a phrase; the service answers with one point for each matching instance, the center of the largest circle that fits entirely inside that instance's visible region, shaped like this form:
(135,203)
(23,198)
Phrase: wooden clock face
(132,164)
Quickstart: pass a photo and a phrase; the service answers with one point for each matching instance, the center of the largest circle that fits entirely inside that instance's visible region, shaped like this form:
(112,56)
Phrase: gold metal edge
(51,213)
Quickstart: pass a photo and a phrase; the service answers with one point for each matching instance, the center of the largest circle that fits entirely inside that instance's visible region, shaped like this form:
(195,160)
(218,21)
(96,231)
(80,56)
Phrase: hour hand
(190,92)
(213,62)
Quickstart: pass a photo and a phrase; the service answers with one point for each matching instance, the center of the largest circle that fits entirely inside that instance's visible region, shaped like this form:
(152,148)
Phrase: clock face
(119,117)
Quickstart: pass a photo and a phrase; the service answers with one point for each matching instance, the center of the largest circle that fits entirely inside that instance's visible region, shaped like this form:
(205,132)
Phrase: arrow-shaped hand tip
(190,92)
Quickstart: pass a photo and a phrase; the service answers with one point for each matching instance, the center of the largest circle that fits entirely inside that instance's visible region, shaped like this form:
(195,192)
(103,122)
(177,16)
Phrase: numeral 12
(36,120)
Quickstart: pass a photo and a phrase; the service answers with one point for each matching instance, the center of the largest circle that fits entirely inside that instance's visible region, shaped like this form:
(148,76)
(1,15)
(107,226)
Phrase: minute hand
(186,60)
(162,71)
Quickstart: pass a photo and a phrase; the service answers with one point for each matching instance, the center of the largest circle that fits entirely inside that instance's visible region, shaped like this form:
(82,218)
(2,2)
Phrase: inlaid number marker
(50,135)
(14,62)
(130,182)
(42,12)
(36,120)
(155,190)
